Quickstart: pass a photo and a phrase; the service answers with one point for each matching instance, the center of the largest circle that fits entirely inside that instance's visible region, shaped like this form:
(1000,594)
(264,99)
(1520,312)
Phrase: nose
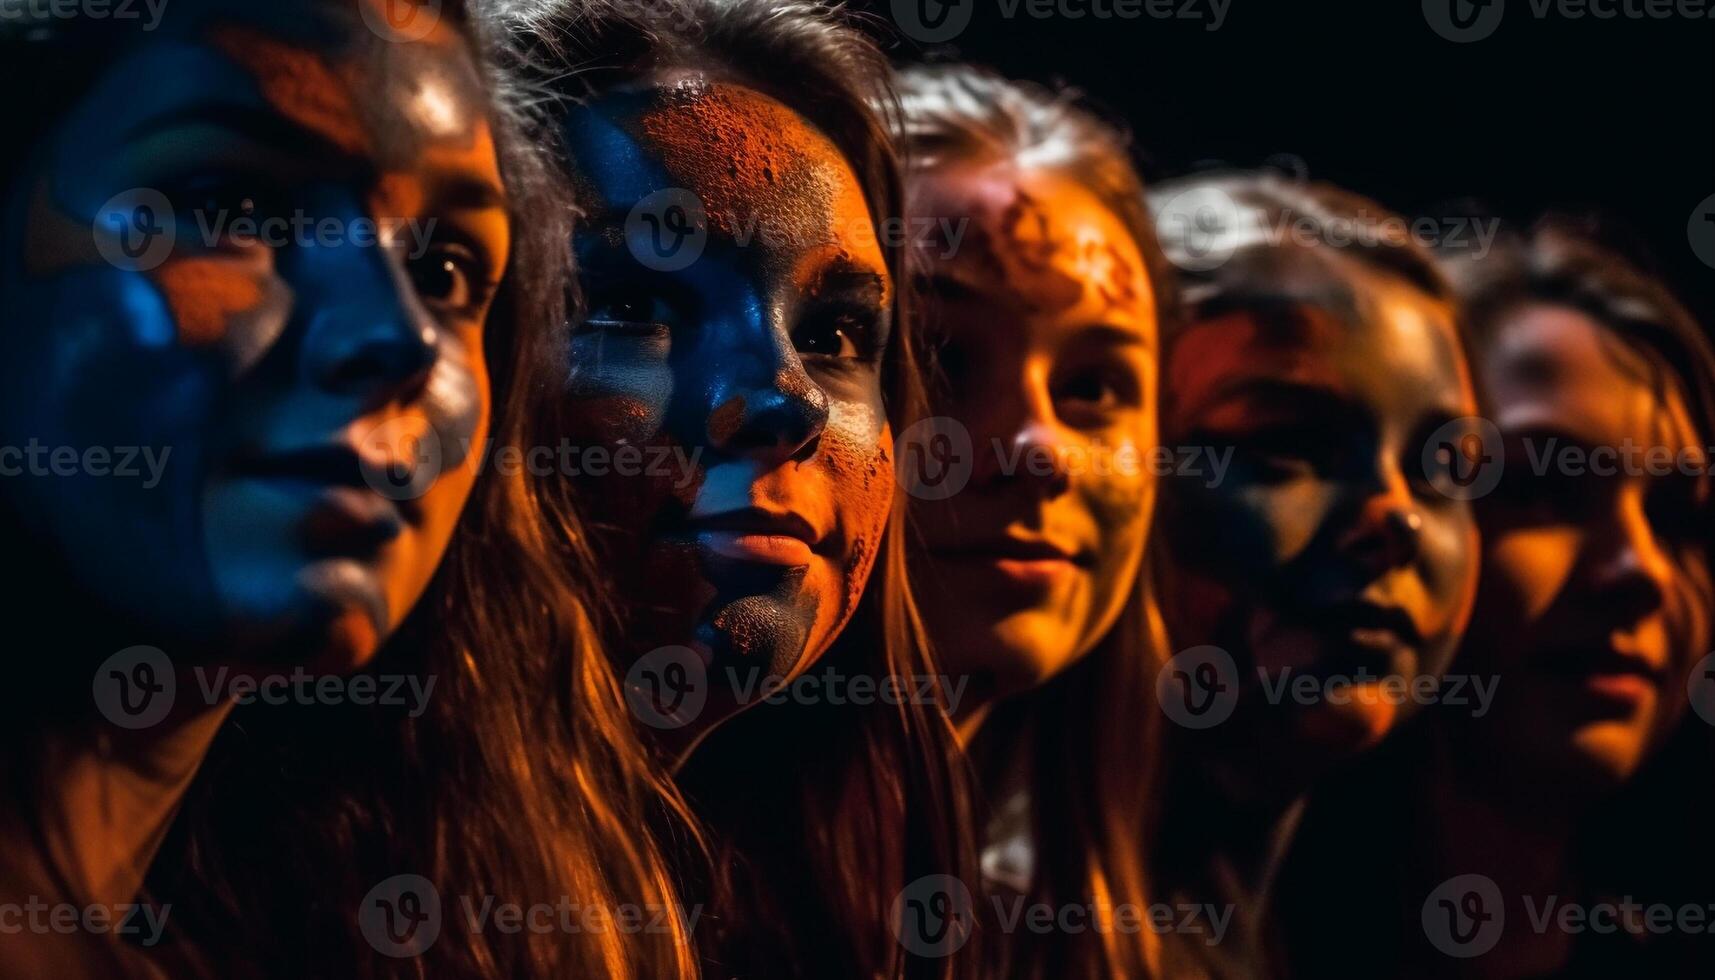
(1629,571)
(771,412)
(1388,530)
(1033,450)
(366,334)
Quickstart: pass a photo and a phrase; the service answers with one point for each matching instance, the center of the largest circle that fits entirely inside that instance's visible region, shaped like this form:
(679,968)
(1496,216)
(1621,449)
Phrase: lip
(1036,562)
(335,472)
(756,535)
(1370,625)
(1610,675)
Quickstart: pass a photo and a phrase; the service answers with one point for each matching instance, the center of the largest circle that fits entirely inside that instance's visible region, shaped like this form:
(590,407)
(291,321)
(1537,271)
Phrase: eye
(1095,392)
(1276,453)
(450,278)
(1677,511)
(838,334)
(627,308)
(226,210)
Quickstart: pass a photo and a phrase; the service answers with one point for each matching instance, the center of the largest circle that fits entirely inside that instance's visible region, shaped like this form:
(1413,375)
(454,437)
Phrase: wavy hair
(521,782)
(809,853)
(1090,817)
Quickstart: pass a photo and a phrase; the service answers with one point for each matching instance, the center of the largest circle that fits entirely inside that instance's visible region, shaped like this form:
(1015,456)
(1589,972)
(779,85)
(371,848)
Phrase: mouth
(347,514)
(1609,674)
(756,535)
(1030,560)
(1367,636)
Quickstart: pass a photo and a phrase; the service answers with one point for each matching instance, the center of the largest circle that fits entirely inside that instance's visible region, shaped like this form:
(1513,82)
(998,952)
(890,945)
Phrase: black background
(1613,115)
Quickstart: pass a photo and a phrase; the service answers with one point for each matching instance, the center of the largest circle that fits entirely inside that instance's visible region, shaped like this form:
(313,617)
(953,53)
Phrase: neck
(108,797)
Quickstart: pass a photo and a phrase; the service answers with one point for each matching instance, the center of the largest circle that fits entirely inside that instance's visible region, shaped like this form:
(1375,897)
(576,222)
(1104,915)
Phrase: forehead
(759,169)
(317,63)
(1038,244)
(1556,367)
(1376,339)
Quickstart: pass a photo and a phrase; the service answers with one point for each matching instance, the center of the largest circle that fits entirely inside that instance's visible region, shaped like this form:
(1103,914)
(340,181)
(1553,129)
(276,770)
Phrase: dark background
(1613,115)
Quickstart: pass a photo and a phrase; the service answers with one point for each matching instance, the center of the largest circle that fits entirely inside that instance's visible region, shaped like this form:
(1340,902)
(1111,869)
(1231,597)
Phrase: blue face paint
(737,310)
(259,334)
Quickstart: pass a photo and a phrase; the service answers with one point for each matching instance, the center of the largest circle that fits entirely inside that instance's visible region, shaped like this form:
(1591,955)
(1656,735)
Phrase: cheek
(216,301)
(619,391)
(1120,505)
(1525,570)
(1259,529)
(1451,553)
(857,447)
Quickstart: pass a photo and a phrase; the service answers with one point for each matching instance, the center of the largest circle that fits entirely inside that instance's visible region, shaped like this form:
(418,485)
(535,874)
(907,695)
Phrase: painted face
(1595,595)
(749,378)
(337,226)
(1330,548)
(1047,329)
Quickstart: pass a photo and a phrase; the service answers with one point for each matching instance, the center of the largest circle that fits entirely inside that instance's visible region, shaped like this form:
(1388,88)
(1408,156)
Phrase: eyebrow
(1115,336)
(1274,391)
(454,191)
(845,277)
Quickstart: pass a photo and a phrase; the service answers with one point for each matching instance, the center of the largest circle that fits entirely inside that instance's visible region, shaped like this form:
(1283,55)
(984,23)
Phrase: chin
(333,619)
(1604,755)
(1341,731)
(758,633)
(1020,653)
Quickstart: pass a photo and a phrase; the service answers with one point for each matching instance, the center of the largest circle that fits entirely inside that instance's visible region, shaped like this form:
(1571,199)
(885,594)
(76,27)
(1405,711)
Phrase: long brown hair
(811,850)
(1090,810)
(522,782)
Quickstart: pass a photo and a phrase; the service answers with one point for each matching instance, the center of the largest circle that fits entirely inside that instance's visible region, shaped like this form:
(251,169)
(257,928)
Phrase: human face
(757,367)
(1595,595)
(276,379)
(1330,549)
(1046,325)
